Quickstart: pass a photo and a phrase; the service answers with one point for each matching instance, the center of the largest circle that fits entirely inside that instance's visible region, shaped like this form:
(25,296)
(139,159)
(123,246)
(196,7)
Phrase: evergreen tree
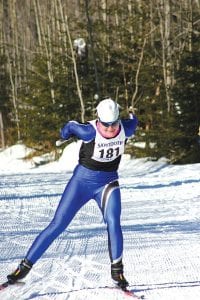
(40,117)
(186,97)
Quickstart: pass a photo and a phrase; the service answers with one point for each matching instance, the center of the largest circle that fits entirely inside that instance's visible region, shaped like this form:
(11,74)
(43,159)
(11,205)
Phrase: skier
(103,142)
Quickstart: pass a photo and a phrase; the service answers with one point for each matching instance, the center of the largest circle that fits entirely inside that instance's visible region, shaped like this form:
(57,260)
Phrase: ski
(129,293)
(6,284)
(126,292)
(132,294)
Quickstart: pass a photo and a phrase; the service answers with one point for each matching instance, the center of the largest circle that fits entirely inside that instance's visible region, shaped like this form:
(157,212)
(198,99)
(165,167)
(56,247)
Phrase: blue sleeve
(130,125)
(85,132)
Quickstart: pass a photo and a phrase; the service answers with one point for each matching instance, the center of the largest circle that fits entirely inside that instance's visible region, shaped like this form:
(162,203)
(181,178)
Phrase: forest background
(58,58)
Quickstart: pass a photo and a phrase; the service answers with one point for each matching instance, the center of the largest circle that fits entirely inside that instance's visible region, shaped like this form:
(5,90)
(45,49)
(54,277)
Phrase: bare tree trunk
(133,102)
(49,64)
(37,23)
(125,87)
(89,23)
(12,56)
(2,131)
(9,36)
(75,71)
(14,97)
(46,42)
(152,26)
(103,4)
(190,25)
(164,9)
(117,24)
(63,28)
(168,65)
(130,15)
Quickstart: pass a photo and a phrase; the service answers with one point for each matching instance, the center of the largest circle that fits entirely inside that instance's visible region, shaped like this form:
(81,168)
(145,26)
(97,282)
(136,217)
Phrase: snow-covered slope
(160,221)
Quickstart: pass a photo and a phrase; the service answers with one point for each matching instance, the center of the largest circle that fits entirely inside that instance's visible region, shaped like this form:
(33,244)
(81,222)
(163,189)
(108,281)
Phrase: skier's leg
(71,201)
(110,204)
(109,201)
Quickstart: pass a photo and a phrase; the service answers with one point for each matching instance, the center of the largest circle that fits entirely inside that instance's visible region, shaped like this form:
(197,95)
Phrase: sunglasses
(112,124)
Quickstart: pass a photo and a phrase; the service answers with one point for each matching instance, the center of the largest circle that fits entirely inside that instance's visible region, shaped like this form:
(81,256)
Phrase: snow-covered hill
(160,221)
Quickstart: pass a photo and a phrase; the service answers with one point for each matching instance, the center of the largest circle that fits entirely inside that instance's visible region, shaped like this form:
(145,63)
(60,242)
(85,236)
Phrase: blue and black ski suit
(95,177)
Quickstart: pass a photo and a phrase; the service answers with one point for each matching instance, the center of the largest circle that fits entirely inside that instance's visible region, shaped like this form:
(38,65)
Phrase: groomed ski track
(160,221)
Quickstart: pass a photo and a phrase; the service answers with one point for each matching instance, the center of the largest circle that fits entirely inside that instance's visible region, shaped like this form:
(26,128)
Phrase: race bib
(106,150)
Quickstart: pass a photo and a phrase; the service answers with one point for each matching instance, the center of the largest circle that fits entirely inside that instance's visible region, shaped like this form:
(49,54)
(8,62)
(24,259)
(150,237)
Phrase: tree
(187,105)
(136,53)
(40,118)
(5,111)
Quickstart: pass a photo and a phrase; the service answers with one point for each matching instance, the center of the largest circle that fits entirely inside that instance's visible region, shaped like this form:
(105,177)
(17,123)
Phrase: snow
(160,222)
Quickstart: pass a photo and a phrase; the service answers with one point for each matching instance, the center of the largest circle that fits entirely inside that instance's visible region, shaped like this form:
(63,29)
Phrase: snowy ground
(160,221)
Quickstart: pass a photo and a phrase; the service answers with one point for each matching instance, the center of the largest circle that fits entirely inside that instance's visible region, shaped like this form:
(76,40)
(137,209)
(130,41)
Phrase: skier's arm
(130,125)
(85,132)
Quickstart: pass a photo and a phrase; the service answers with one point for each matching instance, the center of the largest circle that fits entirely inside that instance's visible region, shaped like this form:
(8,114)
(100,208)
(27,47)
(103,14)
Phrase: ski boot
(117,274)
(22,270)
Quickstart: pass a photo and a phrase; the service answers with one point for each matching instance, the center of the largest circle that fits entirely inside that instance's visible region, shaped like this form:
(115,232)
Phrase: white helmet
(108,110)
